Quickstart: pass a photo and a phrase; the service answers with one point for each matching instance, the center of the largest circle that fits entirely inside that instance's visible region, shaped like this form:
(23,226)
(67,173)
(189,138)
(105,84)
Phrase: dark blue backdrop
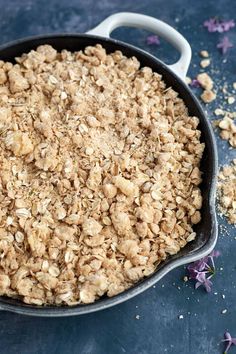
(158,329)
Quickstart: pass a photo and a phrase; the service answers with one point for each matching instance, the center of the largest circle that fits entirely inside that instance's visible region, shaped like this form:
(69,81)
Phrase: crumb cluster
(99,174)
(206,83)
(227,192)
(228,130)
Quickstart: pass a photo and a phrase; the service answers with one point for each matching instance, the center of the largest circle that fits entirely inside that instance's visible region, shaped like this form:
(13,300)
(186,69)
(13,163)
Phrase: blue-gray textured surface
(117,330)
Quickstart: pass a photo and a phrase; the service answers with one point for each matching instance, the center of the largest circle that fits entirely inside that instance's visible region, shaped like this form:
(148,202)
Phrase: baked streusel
(99,174)
(227,192)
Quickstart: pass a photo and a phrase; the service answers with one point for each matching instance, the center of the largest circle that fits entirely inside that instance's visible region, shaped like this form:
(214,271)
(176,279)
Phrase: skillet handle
(158,27)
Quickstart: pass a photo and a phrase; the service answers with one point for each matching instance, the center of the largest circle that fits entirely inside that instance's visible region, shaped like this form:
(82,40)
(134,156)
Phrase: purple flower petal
(192,273)
(215,254)
(201,277)
(198,270)
(211,25)
(197,284)
(208,284)
(196,267)
(228,347)
(153,39)
(215,25)
(202,280)
(201,264)
(195,83)
(224,44)
(227,25)
(231,341)
(227,336)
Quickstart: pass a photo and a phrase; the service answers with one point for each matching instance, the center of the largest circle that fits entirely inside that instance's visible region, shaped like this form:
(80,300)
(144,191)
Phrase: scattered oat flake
(231,100)
(224,311)
(205,63)
(219,112)
(228,130)
(205,81)
(188,80)
(208,96)
(204,53)
(180,317)
(137,317)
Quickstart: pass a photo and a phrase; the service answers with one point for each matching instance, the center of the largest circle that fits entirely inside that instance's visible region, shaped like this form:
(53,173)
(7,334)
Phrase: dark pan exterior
(206,230)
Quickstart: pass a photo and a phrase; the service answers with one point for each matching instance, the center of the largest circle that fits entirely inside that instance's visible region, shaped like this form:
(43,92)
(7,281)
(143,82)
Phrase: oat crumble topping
(207,84)
(228,130)
(99,174)
(227,192)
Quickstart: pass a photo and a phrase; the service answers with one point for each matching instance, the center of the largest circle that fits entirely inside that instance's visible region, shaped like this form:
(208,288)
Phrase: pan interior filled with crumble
(99,177)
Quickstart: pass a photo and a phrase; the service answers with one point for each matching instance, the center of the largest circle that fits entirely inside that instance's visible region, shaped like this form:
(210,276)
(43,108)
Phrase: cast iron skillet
(173,76)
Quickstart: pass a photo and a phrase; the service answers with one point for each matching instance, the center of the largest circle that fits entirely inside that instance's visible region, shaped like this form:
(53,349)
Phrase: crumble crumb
(208,96)
(205,81)
(228,130)
(188,80)
(227,191)
(204,53)
(205,63)
(231,100)
(219,112)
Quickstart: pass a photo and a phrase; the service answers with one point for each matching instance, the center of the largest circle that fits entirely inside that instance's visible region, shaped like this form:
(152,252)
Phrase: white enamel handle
(158,27)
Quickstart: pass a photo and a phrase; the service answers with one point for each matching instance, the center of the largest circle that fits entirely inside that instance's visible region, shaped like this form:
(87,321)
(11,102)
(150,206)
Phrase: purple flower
(200,269)
(214,254)
(211,25)
(195,83)
(229,340)
(215,25)
(153,39)
(227,25)
(224,44)
(202,280)
(198,266)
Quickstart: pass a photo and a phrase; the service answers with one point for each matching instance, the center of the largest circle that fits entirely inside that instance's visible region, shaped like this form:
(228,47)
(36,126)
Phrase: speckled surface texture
(149,323)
